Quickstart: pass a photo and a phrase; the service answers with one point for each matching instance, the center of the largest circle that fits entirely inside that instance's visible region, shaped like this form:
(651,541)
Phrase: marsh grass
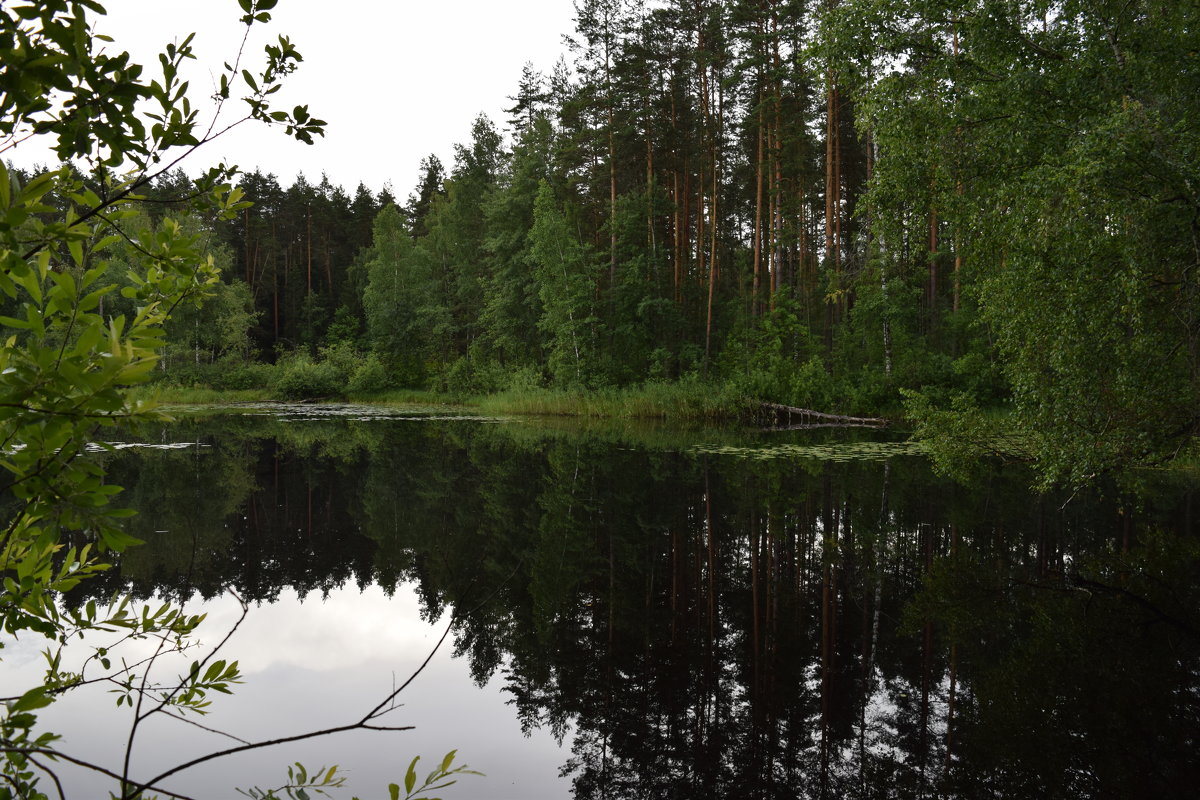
(403,397)
(166,394)
(683,401)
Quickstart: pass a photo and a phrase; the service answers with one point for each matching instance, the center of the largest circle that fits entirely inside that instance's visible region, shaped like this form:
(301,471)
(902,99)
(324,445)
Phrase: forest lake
(646,611)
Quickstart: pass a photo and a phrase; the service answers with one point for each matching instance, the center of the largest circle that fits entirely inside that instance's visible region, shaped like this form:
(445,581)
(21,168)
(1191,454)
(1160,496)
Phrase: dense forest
(943,207)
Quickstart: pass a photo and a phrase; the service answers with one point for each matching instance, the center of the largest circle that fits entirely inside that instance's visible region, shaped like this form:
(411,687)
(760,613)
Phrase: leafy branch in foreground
(300,781)
(66,366)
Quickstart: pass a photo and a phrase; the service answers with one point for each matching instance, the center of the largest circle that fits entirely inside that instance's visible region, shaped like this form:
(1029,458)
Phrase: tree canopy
(900,207)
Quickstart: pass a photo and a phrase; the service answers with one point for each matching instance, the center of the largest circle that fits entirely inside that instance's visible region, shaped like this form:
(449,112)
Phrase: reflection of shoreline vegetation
(713,620)
(1063,644)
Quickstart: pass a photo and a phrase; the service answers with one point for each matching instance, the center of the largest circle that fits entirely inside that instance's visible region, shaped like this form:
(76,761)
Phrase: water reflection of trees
(705,625)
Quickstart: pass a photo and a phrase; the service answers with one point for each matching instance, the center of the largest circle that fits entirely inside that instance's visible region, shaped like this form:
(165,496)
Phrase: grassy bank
(171,395)
(686,401)
(689,401)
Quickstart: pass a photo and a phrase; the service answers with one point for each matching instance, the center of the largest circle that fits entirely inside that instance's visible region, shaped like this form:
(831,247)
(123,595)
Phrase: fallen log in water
(792,417)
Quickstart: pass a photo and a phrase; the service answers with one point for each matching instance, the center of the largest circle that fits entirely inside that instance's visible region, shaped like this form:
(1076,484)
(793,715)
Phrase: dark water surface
(783,615)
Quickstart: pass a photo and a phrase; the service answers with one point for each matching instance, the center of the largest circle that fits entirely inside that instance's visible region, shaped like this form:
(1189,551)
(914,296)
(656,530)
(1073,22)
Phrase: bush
(241,375)
(524,379)
(370,377)
(342,358)
(958,434)
(471,376)
(181,372)
(300,378)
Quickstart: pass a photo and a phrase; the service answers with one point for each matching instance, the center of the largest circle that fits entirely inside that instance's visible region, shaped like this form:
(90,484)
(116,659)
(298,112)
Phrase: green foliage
(565,276)
(995,199)
(301,781)
(299,377)
(344,328)
(369,377)
(440,777)
(457,235)
(958,437)
(240,375)
(777,360)
(1062,153)
(512,304)
(404,316)
(687,400)
(67,364)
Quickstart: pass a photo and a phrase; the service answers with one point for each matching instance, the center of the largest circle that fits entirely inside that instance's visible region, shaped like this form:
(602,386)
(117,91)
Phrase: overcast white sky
(395,79)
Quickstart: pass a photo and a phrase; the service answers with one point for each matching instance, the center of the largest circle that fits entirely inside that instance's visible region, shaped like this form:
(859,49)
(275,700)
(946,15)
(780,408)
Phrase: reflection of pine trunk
(830,527)
(757,700)
(676,587)
(769,654)
(754,594)
(926,670)
(712,682)
(926,667)
(953,667)
(771,611)
(826,658)
(711,580)
(610,689)
(880,550)
(1041,541)
(872,641)
(950,705)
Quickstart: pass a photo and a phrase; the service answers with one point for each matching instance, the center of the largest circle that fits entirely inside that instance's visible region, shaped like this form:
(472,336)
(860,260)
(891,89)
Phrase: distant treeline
(844,205)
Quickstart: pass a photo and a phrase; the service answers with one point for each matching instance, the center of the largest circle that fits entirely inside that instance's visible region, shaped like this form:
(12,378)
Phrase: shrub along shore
(682,401)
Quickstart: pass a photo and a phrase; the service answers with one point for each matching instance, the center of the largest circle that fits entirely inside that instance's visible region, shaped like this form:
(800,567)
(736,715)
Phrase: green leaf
(32,700)
(75,246)
(410,777)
